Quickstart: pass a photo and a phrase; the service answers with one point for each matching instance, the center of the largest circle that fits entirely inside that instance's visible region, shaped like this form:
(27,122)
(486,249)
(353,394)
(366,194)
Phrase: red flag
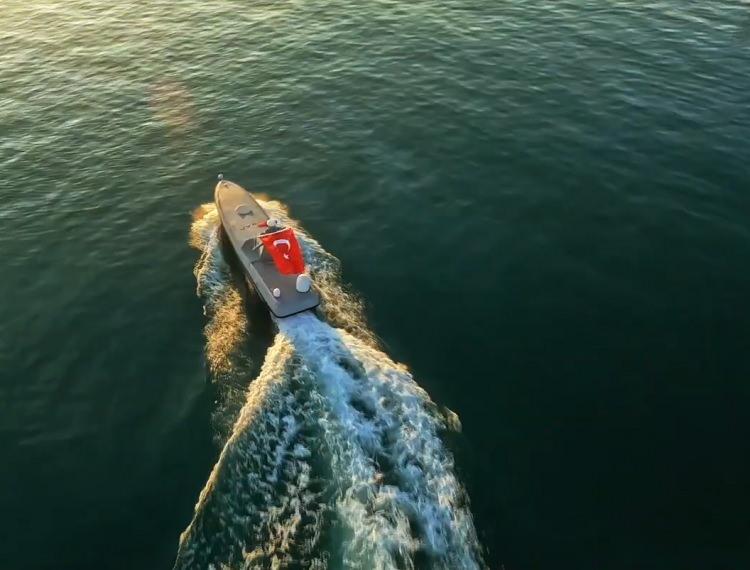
(285,251)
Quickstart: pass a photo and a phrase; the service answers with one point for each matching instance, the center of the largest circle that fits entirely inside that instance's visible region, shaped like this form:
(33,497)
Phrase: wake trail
(398,494)
(335,459)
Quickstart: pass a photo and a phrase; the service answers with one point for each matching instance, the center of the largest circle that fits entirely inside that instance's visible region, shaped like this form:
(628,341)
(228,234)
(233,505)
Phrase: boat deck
(241,215)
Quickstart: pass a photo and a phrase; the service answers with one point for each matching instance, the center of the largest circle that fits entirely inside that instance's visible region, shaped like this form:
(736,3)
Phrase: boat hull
(242,218)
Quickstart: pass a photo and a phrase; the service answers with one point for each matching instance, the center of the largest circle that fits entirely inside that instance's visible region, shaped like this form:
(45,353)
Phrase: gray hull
(240,215)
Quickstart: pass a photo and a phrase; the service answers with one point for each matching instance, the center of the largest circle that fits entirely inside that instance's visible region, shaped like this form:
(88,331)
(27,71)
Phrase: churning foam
(335,460)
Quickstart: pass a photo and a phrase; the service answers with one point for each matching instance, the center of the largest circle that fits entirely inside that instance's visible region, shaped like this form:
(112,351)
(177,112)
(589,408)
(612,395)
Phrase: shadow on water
(244,358)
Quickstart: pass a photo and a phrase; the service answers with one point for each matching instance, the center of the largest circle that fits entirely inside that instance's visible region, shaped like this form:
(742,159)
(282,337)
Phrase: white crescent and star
(285,242)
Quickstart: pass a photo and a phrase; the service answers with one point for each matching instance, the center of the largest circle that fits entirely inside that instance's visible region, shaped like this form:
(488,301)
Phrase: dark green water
(543,205)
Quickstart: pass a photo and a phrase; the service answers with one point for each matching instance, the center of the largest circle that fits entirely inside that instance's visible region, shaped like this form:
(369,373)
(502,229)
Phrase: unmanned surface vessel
(269,254)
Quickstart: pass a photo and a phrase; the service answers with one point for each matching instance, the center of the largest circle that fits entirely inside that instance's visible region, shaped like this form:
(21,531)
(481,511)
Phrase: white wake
(335,459)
